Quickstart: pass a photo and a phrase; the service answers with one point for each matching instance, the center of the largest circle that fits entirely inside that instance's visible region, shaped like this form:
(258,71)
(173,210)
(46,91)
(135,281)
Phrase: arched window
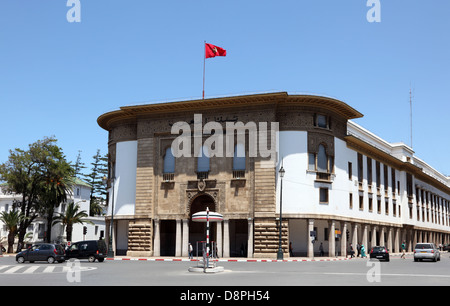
(239,157)
(322,160)
(169,161)
(203,160)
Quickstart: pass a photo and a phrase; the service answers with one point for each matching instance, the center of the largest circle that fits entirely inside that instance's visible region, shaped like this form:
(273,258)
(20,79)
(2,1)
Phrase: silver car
(426,251)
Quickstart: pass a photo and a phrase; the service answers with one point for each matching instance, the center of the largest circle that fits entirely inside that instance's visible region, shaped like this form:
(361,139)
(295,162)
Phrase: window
(239,157)
(322,160)
(323,193)
(350,171)
(350,200)
(322,121)
(169,161)
(203,165)
(360,168)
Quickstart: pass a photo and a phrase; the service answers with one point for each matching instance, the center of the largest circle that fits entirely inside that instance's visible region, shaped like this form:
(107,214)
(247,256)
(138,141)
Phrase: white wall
(125,181)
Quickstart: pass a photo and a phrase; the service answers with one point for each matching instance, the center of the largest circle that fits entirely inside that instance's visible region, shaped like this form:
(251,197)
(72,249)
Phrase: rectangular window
(360,168)
(369,171)
(350,200)
(323,195)
(361,202)
(350,171)
(312,162)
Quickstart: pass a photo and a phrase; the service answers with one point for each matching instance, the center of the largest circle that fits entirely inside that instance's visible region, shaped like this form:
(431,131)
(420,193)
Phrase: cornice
(279,99)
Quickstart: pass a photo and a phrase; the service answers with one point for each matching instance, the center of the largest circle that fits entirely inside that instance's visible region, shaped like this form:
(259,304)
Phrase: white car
(426,251)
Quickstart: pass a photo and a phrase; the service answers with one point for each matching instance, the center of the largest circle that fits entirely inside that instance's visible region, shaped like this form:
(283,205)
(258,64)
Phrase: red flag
(213,51)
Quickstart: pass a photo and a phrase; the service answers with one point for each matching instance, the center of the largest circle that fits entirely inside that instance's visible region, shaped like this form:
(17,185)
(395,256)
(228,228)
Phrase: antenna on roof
(410,114)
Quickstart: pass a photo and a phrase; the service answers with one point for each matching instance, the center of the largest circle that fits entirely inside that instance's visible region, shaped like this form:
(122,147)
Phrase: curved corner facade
(342,184)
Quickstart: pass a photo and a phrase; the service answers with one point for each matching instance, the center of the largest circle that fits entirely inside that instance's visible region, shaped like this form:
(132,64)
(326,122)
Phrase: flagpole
(204,64)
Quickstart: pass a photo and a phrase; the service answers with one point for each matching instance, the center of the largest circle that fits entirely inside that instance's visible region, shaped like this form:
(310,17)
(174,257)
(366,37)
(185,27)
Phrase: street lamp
(110,244)
(280,250)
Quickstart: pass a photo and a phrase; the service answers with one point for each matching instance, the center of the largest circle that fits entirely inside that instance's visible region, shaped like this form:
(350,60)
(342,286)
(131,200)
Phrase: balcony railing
(168,177)
(203,175)
(238,174)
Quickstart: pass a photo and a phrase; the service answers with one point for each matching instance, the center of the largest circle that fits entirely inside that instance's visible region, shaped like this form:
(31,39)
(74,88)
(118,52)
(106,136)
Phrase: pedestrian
(363,251)
(358,248)
(351,251)
(321,249)
(291,253)
(403,250)
(191,250)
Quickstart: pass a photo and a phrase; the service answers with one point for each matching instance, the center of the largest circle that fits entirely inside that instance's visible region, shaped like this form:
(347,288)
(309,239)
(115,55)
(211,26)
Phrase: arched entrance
(197,230)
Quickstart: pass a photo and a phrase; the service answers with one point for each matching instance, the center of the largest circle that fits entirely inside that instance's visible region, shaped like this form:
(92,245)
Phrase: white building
(36,231)
(339,178)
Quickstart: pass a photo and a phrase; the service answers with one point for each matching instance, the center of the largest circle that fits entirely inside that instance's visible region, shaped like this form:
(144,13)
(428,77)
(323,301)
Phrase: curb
(223,260)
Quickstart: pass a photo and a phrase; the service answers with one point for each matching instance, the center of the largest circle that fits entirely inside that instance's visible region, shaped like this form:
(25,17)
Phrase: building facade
(342,184)
(36,232)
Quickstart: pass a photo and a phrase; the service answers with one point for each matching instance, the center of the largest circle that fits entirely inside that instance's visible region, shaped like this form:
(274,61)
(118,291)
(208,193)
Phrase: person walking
(191,250)
(403,249)
(351,251)
(321,249)
(363,251)
(291,253)
(358,248)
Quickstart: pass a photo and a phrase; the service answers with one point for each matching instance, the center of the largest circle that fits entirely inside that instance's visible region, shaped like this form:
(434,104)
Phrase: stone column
(397,240)
(365,236)
(382,233)
(389,242)
(355,239)
(308,238)
(185,247)
(250,238)
(178,238)
(156,240)
(226,238)
(219,239)
(373,239)
(344,239)
(331,239)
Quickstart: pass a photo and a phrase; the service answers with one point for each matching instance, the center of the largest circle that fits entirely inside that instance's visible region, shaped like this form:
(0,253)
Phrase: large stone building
(339,178)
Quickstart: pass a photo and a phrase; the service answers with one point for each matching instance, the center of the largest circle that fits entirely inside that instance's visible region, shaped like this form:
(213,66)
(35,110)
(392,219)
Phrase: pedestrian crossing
(39,269)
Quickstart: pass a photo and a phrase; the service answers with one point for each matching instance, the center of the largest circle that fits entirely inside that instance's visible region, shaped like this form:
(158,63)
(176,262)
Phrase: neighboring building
(339,178)
(36,231)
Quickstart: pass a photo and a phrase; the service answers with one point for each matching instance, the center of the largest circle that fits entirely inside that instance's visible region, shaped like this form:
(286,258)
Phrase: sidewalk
(234,259)
(243,259)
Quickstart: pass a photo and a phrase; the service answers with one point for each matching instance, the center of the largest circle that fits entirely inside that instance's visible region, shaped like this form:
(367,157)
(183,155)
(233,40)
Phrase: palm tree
(71,216)
(11,220)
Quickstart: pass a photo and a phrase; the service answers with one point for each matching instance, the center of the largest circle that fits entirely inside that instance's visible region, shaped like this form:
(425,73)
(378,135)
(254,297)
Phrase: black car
(90,249)
(380,253)
(49,252)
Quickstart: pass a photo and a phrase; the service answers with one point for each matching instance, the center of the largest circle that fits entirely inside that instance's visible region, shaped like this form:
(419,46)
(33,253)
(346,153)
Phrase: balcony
(324,177)
(202,175)
(168,177)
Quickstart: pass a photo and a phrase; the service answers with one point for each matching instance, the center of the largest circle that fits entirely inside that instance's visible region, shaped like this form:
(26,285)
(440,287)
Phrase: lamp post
(280,250)
(110,244)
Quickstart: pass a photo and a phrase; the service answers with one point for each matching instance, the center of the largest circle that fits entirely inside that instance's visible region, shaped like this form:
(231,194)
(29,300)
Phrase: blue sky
(57,77)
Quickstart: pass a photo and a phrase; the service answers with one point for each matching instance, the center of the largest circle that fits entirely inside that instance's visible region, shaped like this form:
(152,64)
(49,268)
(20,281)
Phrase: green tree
(11,220)
(71,216)
(58,186)
(26,173)
(94,178)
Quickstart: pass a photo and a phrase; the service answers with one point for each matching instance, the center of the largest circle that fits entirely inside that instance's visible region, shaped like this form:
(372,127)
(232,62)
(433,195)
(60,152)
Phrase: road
(354,272)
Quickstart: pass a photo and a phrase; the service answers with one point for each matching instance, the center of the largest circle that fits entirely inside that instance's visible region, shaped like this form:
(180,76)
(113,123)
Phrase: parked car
(49,252)
(426,251)
(379,252)
(446,247)
(89,249)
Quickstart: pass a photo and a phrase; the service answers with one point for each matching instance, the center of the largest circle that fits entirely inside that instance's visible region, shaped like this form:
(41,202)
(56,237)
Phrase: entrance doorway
(197,230)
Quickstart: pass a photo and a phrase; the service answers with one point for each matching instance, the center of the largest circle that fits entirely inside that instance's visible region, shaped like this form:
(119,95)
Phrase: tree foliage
(40,175)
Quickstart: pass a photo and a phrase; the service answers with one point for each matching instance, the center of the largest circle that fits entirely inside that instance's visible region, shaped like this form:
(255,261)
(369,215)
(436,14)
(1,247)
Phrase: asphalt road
(354,272)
